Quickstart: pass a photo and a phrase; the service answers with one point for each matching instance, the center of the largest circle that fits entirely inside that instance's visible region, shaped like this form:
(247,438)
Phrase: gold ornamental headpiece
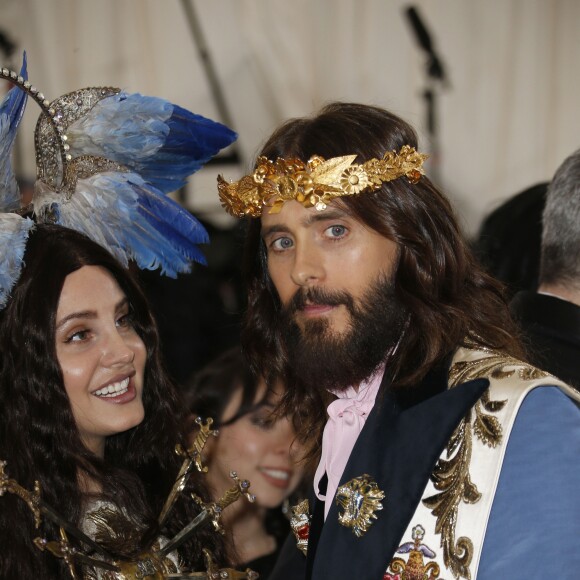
(316,182)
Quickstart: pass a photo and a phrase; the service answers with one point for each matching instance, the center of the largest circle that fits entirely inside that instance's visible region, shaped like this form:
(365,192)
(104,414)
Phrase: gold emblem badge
(300,524)
(359,499)
(415,566)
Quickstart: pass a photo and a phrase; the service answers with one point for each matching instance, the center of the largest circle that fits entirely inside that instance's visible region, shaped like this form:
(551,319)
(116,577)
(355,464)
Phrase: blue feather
(162,142)
(165,209)
(405,548)
(14,232)
(136,222)
(191,142)
(426,551)
(11,111)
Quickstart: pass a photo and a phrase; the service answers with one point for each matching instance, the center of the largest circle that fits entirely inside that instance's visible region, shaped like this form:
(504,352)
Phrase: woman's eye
(263,422)
(78,336)
(281,244)
(336,231)
(125,321)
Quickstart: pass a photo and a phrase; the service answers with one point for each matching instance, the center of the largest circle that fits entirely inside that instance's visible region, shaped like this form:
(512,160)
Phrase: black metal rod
(210,73)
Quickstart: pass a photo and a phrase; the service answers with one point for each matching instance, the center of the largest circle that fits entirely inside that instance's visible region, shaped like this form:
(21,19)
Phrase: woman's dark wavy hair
(38,435)
(209,392)
(438,281)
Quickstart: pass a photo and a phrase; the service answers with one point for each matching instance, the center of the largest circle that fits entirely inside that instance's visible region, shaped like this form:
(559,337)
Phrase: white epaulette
(445,536)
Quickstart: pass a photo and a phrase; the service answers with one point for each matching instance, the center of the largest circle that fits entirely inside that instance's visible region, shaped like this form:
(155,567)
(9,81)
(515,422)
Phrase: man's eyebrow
(332,213)
(273,229)
(314,217)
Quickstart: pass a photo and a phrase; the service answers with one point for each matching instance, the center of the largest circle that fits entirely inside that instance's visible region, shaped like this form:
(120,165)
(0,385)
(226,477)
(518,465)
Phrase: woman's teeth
(113,390)
(276,474)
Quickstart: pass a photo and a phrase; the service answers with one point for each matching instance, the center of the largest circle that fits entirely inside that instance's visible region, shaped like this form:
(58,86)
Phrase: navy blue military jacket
(399,445)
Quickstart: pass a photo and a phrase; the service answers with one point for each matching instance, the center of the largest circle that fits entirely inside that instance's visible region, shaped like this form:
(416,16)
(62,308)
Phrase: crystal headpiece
(105,161)
(316,182)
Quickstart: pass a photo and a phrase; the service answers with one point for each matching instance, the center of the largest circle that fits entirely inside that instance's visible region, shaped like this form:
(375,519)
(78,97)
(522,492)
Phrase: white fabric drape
(508,120)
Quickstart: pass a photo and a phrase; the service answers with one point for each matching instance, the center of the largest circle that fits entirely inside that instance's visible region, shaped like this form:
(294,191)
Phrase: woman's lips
(117,392)
(277,477)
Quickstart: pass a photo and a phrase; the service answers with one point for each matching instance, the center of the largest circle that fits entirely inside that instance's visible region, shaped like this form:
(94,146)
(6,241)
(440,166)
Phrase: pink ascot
(346,418)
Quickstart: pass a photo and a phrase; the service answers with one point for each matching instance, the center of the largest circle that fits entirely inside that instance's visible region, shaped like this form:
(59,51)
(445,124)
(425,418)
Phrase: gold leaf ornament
(494,364)
(329,172)
(315,183)
(487,429)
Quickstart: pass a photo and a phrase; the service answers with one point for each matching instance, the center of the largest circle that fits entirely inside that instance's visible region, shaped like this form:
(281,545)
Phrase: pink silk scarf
(346,418)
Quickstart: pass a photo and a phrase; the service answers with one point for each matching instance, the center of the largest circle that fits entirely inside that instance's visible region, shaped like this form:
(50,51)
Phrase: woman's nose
(117,351)
(284,436)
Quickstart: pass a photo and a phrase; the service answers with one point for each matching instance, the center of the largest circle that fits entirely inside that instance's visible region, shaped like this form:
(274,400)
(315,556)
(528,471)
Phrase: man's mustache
(319,297)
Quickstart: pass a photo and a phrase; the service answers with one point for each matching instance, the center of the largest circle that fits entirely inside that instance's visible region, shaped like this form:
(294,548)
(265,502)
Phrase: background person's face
(101,356)
(258,448)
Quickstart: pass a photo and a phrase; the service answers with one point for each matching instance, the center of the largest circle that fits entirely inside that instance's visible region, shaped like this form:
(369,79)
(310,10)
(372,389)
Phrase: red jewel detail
(303,532)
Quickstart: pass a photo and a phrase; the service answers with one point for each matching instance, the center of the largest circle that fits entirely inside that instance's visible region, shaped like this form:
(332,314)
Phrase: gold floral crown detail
(316,182)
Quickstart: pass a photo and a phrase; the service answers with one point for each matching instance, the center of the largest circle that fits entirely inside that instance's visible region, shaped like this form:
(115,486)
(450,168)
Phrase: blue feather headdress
(105,162)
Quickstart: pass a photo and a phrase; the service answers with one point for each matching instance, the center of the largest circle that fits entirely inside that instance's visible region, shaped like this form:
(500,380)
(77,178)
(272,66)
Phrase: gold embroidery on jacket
(415,567)
(451,475)
(493,366)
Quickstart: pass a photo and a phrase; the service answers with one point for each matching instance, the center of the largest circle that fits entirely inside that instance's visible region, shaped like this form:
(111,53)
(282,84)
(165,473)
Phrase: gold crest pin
(358,500)
(300,524)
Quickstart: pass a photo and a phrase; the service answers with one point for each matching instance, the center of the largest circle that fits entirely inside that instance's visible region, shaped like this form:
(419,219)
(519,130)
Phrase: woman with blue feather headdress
(90,420)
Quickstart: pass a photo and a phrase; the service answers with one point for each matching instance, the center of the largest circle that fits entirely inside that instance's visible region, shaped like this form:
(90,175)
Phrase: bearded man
(437,451)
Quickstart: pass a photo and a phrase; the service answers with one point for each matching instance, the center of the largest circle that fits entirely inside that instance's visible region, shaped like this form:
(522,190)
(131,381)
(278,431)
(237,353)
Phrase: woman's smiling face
(259,448)
(101,356)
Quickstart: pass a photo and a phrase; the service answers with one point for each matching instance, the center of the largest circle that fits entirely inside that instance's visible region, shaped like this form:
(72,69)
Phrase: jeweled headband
(105,161)
(316,182)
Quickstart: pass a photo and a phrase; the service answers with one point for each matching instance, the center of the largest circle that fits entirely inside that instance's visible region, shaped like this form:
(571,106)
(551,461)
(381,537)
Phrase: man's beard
(328,360)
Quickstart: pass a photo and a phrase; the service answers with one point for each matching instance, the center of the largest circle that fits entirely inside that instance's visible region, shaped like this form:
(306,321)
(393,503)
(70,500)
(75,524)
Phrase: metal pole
(209,69)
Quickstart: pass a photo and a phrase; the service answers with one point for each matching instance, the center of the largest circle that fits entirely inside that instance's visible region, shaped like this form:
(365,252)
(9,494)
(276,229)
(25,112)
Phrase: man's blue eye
(337,231)
(282,244)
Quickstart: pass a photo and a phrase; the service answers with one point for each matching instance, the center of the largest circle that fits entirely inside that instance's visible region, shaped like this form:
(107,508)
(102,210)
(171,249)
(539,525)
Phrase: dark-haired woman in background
(258,445)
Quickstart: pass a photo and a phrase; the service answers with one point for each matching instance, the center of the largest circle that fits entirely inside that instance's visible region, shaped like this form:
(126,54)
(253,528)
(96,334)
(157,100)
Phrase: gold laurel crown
(316,182)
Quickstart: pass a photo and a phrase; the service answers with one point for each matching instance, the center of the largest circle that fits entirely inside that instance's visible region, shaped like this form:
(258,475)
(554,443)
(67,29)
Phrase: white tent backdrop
(507,121)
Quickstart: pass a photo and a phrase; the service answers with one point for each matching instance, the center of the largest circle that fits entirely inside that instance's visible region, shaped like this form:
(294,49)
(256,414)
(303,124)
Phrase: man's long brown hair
(446,293)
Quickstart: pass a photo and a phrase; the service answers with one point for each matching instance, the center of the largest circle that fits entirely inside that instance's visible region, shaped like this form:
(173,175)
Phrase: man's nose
(307,268)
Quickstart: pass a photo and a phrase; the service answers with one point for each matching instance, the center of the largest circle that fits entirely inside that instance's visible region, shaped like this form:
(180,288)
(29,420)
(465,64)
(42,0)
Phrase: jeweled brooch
(359,499)
(300,524)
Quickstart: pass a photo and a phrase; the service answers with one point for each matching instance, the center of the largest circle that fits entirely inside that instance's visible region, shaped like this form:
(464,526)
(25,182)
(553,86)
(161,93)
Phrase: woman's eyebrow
(83,314)
(89,314)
